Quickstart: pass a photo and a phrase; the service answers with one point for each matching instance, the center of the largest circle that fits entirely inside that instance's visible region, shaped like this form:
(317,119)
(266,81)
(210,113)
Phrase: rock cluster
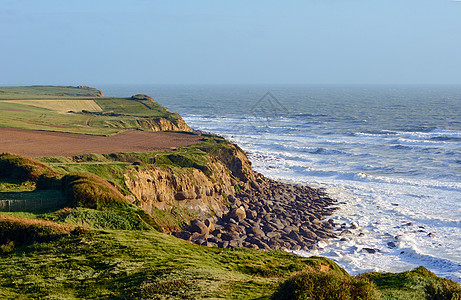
(269,215)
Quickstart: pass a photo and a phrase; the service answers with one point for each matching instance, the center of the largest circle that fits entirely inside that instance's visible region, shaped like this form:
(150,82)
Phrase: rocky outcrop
(277,215)
(238,163)
(162,124)
(233,205)
(164,188)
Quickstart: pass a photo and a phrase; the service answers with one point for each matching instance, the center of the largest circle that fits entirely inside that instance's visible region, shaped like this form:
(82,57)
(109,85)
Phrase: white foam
(405,195)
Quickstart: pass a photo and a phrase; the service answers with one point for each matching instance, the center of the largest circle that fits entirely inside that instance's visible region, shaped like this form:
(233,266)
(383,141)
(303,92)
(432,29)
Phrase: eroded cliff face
(164,125)
(165,188)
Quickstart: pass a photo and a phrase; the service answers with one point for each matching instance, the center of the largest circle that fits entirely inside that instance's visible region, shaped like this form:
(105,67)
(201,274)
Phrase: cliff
(192,179)
(213,197)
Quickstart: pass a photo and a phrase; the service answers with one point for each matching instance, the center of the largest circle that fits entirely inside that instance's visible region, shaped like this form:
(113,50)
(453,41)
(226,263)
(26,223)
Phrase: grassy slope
(41,108)
(139,262)
(144,264)
(119,264)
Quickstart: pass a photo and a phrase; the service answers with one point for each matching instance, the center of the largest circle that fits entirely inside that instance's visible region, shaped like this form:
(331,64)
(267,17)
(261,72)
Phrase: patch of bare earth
(35,143)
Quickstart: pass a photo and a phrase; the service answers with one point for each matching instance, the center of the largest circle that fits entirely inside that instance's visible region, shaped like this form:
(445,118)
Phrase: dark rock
(217,233)
(197,236)
(391,245)
(199,227)
(223,244)
(213,239)
(256,231)
(369,250)
(238,214)
(228,236)
(252,214)
(180,196)
(233,244)
(185,235)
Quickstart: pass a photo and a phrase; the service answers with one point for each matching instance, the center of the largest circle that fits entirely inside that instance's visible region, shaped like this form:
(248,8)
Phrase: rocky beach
(268,215)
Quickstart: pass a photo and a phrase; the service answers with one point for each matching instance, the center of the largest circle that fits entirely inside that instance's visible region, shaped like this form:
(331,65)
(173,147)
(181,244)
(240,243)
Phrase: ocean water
(391,156)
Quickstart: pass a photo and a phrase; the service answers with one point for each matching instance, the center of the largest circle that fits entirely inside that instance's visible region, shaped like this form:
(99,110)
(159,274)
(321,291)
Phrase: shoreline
(270,215)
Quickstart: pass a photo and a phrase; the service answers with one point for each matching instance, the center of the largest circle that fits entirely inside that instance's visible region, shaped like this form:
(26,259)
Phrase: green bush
(322,285)
(22,169)
(90,191)
(106,219)
(7,247)
(443,290)
(26,231)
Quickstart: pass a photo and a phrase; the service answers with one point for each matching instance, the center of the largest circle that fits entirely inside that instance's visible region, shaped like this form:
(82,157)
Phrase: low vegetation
(92,243)
(325,285)
(82,110)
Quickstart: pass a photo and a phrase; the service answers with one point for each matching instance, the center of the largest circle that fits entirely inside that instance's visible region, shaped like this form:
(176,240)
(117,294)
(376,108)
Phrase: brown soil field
(35,143)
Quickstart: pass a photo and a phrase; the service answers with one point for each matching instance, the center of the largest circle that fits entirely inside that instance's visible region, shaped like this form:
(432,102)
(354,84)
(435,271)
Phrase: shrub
(90,191)
(443,290)
(25,231)
(7,247)
(141,97)
(22,169)
(322,285)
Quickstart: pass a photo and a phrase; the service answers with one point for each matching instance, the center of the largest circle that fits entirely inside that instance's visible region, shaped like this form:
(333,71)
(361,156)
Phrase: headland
(95,190)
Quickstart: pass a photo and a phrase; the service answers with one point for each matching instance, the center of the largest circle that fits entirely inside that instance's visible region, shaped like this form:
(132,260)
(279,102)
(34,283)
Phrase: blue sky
(230,42)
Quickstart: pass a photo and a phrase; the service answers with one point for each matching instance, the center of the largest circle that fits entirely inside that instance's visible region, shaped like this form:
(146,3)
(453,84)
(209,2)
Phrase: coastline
(269,215)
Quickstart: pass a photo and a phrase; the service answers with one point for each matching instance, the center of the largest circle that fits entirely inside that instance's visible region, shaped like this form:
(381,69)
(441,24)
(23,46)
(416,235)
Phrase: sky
(92,42)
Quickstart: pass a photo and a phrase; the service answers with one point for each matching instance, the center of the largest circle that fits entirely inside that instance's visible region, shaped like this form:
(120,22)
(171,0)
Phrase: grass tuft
(21,169)
(321,285)
(90,191)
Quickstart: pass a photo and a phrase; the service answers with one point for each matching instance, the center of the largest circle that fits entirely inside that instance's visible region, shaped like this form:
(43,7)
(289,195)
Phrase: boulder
(185,235)
(256,231)
(208,223)
(238,214)
(233,244)
(369,250)
(199,227)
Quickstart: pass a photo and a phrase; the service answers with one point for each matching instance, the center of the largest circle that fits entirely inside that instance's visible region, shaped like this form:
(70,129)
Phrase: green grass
(146,264)
(317,285)
(139,264)
(46,107)
(416,284)
(37,92)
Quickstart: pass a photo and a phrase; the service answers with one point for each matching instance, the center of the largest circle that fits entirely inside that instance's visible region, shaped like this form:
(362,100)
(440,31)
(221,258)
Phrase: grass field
(72,262)
(40,92)
(122,264)
(77,110)
(61,106)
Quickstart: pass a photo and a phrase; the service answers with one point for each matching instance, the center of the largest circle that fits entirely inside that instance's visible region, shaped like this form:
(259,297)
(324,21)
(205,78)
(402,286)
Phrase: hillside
(82,110)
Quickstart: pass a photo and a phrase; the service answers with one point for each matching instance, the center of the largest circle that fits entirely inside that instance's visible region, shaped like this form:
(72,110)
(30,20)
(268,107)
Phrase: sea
(390,156)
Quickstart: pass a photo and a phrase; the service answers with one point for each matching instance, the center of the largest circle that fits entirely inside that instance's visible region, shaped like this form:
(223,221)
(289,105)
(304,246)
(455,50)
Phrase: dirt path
(34,143)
